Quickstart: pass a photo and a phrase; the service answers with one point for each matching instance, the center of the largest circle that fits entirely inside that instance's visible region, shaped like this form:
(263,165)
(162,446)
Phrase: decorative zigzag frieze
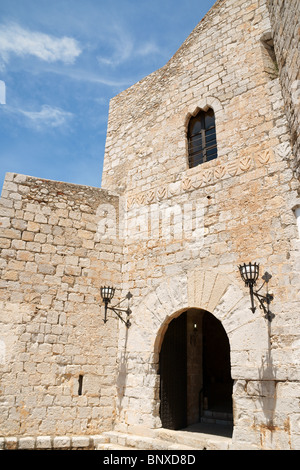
(202,178)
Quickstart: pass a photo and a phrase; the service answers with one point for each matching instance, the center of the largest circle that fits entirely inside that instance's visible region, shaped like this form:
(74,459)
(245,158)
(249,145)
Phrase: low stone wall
(51,443)
(57,358)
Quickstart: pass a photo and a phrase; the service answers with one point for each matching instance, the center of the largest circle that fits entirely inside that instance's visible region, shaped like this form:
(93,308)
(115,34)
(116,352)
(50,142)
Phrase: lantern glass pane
(107,293)
(249,272)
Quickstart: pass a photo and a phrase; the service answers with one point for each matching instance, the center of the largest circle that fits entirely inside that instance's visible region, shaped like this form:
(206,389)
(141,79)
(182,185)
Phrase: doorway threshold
(201,436)
(214,429)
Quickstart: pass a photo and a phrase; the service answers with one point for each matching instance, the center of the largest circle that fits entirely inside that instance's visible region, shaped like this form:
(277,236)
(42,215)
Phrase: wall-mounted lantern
(107,294)
(249,274)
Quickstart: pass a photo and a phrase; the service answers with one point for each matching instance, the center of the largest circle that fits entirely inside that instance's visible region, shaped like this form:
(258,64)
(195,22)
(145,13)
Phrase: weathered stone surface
(51,308)
(171,235)
(245,215)
(27,443)
(285,31)
(43,442)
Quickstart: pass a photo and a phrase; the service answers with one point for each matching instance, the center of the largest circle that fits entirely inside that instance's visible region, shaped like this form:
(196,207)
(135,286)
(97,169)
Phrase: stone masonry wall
(285,21)
(53,262)
(174,238)
(219,63)
(235,209)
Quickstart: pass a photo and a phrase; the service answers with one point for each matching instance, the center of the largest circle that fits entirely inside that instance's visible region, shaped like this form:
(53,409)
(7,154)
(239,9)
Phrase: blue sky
(61,61)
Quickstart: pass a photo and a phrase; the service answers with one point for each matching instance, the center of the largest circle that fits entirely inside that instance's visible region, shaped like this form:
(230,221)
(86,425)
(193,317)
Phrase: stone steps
(164,439)
(123,441)
(109,446)
(198,437)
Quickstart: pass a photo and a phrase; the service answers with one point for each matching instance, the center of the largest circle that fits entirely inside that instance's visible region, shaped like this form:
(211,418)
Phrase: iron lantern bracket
(264,300)
(118,311)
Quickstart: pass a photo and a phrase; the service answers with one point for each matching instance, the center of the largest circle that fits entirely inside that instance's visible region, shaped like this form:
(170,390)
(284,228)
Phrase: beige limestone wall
(285,19)
(53,262)
(235,209)
(174,239)
(219,65)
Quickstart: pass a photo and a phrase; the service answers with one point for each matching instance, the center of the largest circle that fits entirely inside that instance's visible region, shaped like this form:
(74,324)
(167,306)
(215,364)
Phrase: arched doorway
(194,367)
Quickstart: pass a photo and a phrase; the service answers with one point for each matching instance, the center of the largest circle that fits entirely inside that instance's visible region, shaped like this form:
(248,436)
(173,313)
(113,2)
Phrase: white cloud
(125,48)
(47,117)
(16,40)
(87,76)
(148,48)
(2,92)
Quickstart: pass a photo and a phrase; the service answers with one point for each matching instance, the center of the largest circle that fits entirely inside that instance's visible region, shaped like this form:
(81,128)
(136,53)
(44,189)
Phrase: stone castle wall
(285,29)
(211,218)
(222,65)
(173,237)
(52,267)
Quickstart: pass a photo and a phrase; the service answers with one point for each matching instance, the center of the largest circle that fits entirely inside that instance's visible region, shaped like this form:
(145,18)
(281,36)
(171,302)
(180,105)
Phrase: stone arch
(211,290)
(204,103)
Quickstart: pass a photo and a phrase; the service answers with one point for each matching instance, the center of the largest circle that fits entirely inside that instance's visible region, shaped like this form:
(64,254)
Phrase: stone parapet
(57,358)
(52,442)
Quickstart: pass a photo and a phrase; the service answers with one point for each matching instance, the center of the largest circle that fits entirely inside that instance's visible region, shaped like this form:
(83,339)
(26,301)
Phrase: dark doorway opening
(217,381)
(173,376)
(194,367)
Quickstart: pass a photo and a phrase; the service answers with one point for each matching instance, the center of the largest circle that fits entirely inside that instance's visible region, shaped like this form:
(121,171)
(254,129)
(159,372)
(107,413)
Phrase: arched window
(202,139)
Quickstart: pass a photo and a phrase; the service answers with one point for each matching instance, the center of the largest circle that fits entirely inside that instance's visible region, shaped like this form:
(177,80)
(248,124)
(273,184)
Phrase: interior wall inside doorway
(209,383)
(194,364)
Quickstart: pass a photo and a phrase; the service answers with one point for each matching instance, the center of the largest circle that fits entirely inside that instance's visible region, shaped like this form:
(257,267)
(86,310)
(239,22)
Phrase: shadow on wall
(122,375)
(267,388)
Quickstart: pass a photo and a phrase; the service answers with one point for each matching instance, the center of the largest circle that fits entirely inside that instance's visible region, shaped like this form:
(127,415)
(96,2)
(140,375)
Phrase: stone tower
(200,176)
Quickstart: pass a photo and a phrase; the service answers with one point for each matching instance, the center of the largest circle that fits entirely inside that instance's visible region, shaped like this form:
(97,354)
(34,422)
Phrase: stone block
(81,442)
(62,442)
(11,443)
(26,443)
(99,439)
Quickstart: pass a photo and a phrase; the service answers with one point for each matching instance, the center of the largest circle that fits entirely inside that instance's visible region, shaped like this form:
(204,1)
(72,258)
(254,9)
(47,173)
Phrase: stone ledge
(52,442)
(165,439)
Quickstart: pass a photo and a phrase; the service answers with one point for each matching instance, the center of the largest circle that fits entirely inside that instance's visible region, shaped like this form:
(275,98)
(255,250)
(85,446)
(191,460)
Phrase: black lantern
(250,273)
(107,294)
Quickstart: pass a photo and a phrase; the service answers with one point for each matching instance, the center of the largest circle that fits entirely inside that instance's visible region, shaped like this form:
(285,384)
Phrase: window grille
(202,139)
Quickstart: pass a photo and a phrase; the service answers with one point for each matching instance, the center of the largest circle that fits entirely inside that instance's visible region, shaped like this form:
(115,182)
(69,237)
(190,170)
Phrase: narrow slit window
(202,139)
(80,384)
